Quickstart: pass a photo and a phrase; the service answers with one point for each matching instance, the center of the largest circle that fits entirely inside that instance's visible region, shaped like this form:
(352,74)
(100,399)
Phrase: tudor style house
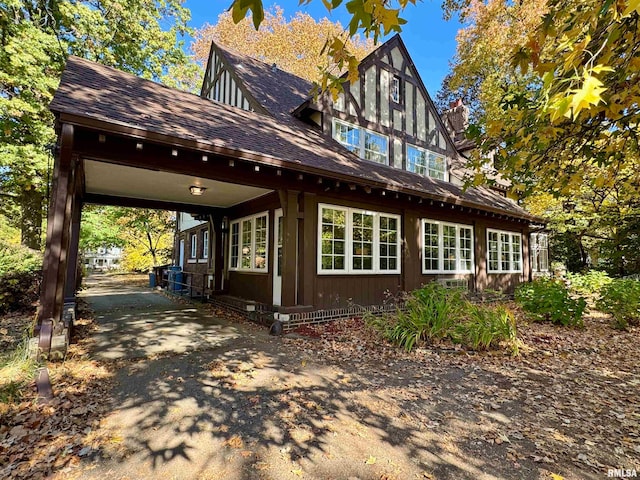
(303,205)
(361,247)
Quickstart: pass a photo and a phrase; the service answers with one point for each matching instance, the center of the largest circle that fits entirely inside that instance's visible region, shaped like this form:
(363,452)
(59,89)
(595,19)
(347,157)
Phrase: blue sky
(430,40)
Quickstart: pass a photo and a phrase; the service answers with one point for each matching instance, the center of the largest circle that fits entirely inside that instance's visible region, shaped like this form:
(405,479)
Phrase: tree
(372,18)
(295,45)
(147,235)
(573,156)
(36,37)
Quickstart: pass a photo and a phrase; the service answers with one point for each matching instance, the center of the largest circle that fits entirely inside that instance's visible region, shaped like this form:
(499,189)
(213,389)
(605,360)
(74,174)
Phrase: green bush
(435,312)
(430,312)
(19,277)
(589,283)
(621,299)
(487,326)
(547,299)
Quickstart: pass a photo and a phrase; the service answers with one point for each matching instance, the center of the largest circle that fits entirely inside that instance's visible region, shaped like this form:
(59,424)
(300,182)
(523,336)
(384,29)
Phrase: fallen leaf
(371,460)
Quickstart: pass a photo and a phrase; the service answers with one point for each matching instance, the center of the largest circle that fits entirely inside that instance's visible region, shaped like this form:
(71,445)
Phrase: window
(395,89)
(205,244)
(424,162)
(194,245)
(364,143)
(447,247)
(248,245)
(504,251)
(540,252)
(357,241)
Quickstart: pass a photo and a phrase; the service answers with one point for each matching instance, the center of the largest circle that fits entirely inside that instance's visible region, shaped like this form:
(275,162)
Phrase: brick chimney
(456,119)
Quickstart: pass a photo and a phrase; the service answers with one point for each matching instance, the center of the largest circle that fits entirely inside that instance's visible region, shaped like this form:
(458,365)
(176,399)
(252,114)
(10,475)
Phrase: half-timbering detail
(295,205)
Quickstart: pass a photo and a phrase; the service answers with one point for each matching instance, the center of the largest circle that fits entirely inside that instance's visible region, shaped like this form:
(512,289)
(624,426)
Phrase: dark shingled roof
(278,91)
(97,93)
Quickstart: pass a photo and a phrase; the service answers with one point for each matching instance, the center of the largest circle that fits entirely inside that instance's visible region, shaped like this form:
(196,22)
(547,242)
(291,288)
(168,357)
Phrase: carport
(130,142)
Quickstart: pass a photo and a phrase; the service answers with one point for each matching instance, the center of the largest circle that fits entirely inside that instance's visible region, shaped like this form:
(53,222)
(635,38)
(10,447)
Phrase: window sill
(192,260)
(359,272)
(203,260)
(447,272)
(246,270)
(494,272)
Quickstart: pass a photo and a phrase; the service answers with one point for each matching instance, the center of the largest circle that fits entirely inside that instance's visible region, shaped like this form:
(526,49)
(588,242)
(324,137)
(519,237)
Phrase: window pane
(449,247)
(436,166)
(505,252)
(260,259)
(349,136)
(234,244)
(333,239)
(466,249)
(246,243)
(516,256)
(388,242)
(375,148)
(416,160)
(362,241)
(493,251)
(431,252)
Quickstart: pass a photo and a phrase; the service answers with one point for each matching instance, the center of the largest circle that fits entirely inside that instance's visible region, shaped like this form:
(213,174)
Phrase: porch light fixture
(196,190)
(174,152)
(205,158)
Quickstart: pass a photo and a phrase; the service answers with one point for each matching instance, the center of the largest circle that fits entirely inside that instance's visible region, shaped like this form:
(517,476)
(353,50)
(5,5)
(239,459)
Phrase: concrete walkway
(139,322)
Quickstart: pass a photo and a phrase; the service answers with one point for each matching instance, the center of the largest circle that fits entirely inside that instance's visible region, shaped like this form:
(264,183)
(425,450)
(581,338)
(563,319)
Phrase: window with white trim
(426,163)
(205,244)
(352,241)
(504,251)
(540,252)
(248,247)
(447,247)
(395,89)
(194,246)
(364,143)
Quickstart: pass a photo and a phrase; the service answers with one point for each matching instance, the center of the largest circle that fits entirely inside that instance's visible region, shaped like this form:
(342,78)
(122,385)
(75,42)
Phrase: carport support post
(54,267)
(71,283)
(289,203)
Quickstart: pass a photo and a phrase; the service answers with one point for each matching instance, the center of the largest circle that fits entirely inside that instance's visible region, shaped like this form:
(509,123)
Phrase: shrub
(429,313)
(589,283)
(621,299)
(486,326)
(19,277)
(435,311)
(546,299)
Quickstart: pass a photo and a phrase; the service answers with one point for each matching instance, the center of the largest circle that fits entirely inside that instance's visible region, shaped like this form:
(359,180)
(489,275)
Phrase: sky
(430,39)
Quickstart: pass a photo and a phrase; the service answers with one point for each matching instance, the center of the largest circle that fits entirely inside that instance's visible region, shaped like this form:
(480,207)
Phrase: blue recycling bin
(152,280)
(175,278)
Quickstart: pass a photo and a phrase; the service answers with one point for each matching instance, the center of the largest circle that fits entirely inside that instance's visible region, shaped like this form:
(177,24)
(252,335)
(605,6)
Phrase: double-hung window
(248,243)
(504,251)
(354,241)
(205,244)
(426,163)
(364,143)
(447,247)
(194,246)
(540,252)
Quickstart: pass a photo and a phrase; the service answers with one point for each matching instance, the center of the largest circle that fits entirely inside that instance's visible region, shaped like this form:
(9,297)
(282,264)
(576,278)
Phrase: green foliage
(589,283)
(436,312)
(19,276)
(486,326)
(621,299)
(137,36)
(430,312)
(17,370)
(547,299)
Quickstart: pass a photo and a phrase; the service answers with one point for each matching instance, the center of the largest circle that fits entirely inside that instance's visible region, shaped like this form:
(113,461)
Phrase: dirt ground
(332,402)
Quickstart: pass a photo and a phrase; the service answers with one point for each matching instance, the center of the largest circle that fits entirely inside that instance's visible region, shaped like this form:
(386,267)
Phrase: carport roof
(91,94)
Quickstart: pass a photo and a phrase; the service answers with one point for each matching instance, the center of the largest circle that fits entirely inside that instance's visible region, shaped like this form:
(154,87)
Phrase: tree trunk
(31,218)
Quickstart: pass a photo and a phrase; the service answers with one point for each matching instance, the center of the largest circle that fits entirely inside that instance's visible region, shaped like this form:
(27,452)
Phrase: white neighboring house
(102,259)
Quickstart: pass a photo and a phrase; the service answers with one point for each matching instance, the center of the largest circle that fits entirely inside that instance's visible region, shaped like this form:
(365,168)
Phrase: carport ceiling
(120,181)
